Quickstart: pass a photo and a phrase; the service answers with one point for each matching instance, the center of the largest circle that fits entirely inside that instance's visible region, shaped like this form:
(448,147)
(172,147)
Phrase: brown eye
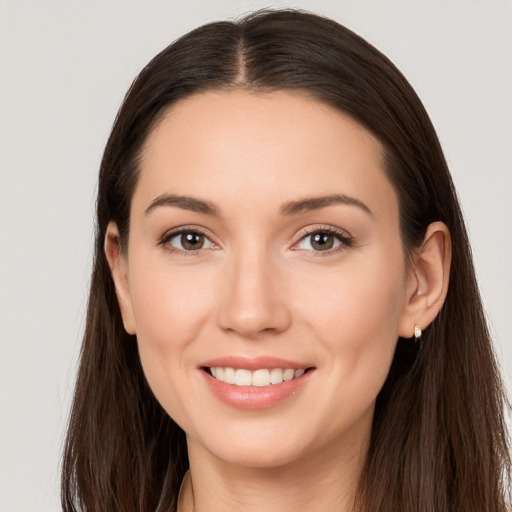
(192,241)
(322,241)
(189,241)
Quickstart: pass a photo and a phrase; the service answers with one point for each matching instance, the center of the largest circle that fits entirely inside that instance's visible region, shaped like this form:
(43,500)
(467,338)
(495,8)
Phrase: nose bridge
(252,301)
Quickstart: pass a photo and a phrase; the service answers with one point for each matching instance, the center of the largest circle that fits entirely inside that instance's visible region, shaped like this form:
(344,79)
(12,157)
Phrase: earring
(417,334)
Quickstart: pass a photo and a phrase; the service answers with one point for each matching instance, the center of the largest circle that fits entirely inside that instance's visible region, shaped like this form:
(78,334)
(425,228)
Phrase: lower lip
(254,397)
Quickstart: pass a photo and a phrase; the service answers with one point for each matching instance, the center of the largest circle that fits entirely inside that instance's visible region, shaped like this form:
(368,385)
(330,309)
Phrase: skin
(259,288)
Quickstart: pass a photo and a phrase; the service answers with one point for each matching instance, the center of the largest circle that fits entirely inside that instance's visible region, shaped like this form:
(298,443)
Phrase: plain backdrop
(64,68)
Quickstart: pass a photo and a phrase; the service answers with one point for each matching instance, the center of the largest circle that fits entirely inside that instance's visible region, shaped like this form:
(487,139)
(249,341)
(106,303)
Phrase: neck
(318,481)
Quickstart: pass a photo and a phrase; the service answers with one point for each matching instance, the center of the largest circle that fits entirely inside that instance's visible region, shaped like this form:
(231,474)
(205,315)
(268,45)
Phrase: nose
(253,301)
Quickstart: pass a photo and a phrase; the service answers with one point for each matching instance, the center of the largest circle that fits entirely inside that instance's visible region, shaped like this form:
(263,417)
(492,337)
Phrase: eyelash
(345,239)
(169,235)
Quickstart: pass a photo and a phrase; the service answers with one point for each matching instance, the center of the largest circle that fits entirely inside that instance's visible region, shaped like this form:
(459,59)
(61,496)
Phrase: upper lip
(253,363)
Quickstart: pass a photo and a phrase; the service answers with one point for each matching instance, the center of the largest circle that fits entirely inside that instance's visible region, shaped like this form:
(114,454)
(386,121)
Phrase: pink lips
(252,397)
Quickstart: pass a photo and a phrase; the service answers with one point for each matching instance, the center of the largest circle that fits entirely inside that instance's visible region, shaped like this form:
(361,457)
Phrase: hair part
(439,440)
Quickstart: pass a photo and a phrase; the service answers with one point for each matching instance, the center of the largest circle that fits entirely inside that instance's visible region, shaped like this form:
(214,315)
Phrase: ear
(118,264)
(428,280)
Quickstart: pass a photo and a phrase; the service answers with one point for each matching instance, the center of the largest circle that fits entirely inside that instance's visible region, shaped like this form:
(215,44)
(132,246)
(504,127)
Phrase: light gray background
(64,68)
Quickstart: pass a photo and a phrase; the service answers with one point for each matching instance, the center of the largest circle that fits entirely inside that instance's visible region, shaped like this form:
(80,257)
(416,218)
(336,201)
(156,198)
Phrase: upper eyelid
(309,230)
(186,229)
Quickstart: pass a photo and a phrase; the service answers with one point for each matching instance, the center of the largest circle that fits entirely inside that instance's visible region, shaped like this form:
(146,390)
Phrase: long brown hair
(439,441)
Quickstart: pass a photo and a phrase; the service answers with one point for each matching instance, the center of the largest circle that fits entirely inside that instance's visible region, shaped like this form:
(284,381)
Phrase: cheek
(169,308)
(356,321)
(365,294)
(168,305)
(371,304)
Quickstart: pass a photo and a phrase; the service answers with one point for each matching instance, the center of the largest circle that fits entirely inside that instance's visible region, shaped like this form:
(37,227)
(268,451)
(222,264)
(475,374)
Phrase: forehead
(269,147)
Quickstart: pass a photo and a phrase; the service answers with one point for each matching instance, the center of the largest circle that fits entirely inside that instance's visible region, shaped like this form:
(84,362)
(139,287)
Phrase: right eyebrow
(317,203)
(184,202)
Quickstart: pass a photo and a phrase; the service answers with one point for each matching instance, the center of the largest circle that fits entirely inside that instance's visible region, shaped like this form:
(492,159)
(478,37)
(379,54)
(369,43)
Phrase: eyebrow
(290,208)
(184,202)
(316,203)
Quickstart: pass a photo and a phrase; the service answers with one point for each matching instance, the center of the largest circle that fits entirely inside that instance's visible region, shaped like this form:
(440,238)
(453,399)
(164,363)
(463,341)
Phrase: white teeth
(276,376)
(261,378)
(258,378)
(288,374)
(243,378)
(229,375)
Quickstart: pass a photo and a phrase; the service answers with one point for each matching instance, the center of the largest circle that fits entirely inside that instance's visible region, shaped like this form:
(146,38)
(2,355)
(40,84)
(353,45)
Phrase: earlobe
(429,280)
(119,271)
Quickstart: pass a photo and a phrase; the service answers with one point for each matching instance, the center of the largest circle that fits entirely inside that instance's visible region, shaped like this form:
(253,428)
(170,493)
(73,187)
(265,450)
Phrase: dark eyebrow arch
(184,202)
(316,203)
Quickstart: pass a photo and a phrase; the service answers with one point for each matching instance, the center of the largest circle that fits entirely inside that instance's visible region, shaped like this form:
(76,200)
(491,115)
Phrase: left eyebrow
(316,203)
(184,202)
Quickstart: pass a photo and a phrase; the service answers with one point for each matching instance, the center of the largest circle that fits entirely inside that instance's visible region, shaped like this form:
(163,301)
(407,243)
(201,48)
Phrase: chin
(255,456)
(260,444)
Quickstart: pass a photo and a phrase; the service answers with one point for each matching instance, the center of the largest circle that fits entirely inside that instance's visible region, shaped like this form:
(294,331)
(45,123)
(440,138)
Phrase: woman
(283,309)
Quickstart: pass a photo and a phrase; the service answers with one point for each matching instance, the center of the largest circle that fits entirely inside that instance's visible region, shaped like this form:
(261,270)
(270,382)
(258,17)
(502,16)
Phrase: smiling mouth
(257,378)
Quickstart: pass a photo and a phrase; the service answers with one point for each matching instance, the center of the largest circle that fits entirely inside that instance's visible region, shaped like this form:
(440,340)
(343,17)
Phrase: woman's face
(264,246)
